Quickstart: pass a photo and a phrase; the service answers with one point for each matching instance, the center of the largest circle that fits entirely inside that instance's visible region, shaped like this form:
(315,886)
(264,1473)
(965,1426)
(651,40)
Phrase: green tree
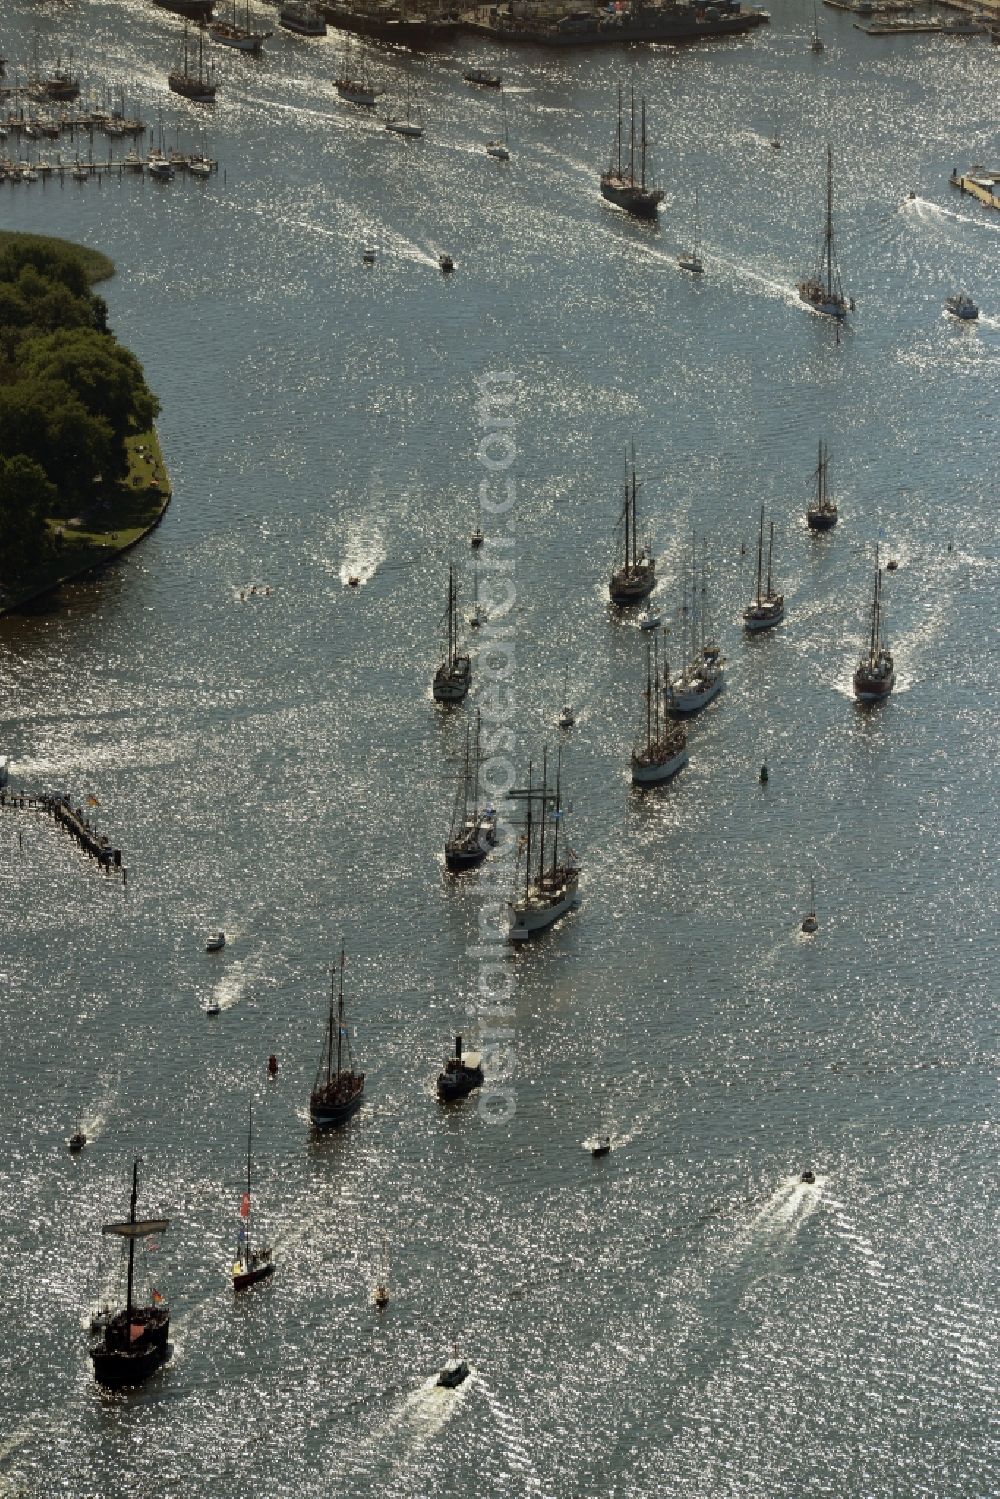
(26,497)
(104,376)
(47,422)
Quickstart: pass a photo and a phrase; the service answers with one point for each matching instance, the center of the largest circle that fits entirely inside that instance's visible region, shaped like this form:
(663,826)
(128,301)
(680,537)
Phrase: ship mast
(249,1143)
(635,558)
(760,553)
(131,1242)
(631,152)
(340,1011)
(557,818)
(770,552)
(619,132)
(541,830)
(829,222)
(643,179)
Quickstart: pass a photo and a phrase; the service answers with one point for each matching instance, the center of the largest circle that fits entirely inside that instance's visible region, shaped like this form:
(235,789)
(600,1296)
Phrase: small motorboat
(692,262)
(649,619)
(78,1141)
(962,307)
(481,79)
(763,775)
(913,196)
(454,1373)
(601,1146)
(213,1007)
(216,943)
(567,717)
(478,617)
(808,1178)
(891,565)
(445,263)
(497,150)
(272,1065)
(368,254)
(810,922)
(476,539)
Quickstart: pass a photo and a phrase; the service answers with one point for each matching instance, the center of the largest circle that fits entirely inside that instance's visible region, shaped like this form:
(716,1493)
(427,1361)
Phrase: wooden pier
(74,822)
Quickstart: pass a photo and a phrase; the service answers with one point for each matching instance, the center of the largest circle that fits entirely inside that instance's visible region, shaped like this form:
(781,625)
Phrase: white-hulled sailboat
(824,291)
(664,751)
(253,1262)
(703,678)
(550,889)
(767,608)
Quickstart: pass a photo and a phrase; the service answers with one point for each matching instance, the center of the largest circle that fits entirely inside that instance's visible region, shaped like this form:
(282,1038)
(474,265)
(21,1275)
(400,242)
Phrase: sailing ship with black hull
(634,575)
(620,185)
(338,1091)
(550,888)
(355,87)
(824,291)
(876,672)
(135,1336)
(241,35)
(767,607)
(473,828)
(663,752)
(453,677)
(822,513)
(703,678)
(253,1262)
(462,1072)
(200,87)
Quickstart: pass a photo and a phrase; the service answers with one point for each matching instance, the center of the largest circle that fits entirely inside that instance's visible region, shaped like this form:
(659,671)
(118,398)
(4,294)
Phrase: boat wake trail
(924,209)
(844,1229)
(515,1445)
(365,549)
(791,1204)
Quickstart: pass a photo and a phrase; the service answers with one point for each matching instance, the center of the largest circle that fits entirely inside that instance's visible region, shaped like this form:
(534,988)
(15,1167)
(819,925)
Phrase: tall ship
(619,185)
(875,673)
(237,31)
(767,608)
(473,827)
(253,1262)
(453,677)
(354,85)
(634,574)
(703,677)
(135,1335)
(338,1091)
(302,18)
(823,291)
(641,21)
(550,888)
(663,752)
(822,513)
(200,87)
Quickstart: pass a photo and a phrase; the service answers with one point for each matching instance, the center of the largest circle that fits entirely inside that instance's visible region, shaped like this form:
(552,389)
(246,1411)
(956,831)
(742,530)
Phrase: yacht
(662,752)
(767,608)
(875,673)
(823,291)
(550,888)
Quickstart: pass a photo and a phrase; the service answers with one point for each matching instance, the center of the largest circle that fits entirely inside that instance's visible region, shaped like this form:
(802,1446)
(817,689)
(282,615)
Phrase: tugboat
(962,307)
(251,1264)
(823,291)
(453,677)
(461,1074)
(822,513)
(664,752)
(135,1338)
(875,673)
(767,608)
(620,187)
(454,1373)
(549,890)
(200,88)
(635,577)
(337,1094)
(473,828)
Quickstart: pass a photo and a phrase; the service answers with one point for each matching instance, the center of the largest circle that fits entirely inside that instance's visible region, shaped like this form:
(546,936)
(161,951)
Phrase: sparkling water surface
(684,1317)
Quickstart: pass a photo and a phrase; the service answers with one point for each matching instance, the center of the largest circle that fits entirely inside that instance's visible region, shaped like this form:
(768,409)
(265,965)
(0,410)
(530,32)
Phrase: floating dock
(980,182)
(75,823)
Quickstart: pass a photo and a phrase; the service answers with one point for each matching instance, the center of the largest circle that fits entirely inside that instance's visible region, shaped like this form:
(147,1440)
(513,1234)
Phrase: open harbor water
(684,1317)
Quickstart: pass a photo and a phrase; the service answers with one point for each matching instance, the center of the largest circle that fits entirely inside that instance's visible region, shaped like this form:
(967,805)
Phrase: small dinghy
(368,254)
(601,1146)
(445,263)
(213,1007)
(216,943)
(808,1178)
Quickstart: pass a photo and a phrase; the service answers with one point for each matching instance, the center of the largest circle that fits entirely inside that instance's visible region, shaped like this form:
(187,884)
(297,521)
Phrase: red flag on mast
(245,1206)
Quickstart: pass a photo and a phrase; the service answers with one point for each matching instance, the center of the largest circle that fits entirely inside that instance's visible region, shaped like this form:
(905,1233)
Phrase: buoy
(763,775)
(272,1065)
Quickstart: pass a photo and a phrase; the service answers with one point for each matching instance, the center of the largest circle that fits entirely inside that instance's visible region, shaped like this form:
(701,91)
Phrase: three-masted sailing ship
(253,1262)
(663,751)
(703,677)
(822,513)
(550,888)
(876,671)
(634,574)
(238,32)
(473,828)
(200,87)
(767,608)
(824,291)
(338,1091)
(453,677)
(135,1336)
(619,185)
